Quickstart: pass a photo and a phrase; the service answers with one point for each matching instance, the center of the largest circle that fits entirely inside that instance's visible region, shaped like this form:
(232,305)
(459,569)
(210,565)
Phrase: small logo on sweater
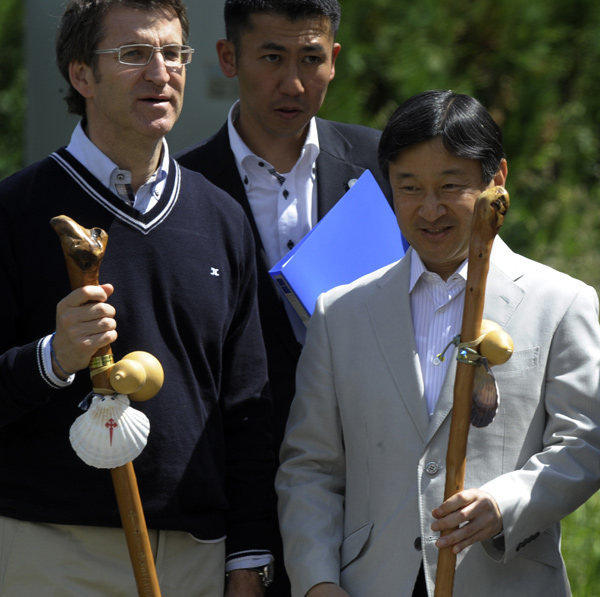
(214,271)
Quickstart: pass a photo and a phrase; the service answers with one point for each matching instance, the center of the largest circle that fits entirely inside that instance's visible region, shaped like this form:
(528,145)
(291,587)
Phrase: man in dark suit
(286,167)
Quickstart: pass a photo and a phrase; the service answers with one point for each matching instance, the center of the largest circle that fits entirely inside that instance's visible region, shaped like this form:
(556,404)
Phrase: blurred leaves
(581,549)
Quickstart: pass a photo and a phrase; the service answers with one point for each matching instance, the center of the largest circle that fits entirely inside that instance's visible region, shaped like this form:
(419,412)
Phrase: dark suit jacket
(346,151)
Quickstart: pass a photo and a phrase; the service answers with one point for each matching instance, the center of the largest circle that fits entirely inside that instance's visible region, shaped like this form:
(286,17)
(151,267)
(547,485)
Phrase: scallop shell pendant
(110,433)
(486,396)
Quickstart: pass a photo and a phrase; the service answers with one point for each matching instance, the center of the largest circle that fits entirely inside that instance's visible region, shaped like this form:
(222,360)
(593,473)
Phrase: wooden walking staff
(84,250)
(488,216)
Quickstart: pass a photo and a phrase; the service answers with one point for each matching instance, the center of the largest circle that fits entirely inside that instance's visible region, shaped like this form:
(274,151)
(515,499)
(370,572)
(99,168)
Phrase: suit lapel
(334,171)
(390,315)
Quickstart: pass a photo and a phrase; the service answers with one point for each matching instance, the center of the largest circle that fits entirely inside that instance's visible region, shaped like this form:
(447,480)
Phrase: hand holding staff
(488,216)
(84,250)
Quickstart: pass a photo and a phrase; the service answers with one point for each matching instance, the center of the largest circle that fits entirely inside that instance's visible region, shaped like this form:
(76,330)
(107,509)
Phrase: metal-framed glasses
(141,54)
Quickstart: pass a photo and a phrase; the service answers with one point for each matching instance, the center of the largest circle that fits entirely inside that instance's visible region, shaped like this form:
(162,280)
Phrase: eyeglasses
(141,54)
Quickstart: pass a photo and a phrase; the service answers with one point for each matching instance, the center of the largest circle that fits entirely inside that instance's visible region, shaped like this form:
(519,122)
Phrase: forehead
(125,24)
(271,28)
(431,158)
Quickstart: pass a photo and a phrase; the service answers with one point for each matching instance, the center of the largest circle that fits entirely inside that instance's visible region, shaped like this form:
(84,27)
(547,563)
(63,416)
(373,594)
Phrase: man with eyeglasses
(180,264)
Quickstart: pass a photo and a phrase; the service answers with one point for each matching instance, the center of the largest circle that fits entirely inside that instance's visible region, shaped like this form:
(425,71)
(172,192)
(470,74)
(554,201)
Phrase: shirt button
(436,361)
(431,468)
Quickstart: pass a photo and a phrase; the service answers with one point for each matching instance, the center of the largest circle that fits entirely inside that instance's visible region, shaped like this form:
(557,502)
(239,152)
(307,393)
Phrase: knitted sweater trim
(145,223)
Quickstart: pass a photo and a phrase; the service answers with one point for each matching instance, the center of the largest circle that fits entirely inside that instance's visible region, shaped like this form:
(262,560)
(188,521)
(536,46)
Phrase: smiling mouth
(435,230)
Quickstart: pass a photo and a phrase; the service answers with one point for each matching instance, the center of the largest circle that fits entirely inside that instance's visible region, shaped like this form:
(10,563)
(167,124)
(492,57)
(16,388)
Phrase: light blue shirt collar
(109,174)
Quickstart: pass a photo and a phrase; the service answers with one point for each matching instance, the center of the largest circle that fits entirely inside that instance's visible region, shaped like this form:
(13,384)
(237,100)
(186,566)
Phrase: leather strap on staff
(488,216)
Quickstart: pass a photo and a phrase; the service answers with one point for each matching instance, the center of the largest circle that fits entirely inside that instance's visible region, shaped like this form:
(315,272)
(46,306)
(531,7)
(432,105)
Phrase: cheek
(403,216)
(463,212)
(319,83)
(402,208)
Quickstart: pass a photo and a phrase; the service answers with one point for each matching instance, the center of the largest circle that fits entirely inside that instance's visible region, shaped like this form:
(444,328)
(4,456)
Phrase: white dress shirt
(284,204)
(437,310)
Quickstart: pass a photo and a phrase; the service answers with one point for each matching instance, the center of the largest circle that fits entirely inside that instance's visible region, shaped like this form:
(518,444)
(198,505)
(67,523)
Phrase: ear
(226,54)
(501,175)
(336,50)
(82,78)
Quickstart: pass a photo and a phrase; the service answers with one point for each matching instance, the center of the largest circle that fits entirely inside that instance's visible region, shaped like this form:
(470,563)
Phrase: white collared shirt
(284,204)
(111,176)
(437,309)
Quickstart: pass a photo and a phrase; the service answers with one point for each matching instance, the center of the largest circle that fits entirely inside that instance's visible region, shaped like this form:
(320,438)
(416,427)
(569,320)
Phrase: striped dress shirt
(437,309)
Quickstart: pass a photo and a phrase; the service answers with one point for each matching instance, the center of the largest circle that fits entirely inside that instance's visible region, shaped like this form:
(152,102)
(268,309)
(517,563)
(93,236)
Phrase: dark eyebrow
(448,172)
(271,45)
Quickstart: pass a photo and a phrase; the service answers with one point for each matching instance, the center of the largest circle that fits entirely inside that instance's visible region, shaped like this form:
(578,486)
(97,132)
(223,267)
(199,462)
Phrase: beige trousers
(43,560)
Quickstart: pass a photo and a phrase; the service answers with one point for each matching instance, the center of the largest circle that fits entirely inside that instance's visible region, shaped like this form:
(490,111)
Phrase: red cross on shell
(111,424)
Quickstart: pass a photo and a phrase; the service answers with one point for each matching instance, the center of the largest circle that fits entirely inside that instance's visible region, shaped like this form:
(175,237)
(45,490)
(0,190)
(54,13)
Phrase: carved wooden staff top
(84,251)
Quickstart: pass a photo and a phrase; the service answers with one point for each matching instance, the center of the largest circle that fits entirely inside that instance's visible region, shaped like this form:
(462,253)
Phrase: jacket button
(431,468)
(417,544)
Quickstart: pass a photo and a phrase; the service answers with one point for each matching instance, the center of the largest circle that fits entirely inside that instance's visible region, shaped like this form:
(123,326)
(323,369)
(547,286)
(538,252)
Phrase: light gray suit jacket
(363,464)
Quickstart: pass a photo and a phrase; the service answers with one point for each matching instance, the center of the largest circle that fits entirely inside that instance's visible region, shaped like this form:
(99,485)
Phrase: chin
(160,128)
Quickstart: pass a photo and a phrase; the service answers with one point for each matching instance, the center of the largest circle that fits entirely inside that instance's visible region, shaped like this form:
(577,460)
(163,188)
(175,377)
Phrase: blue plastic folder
(357,236)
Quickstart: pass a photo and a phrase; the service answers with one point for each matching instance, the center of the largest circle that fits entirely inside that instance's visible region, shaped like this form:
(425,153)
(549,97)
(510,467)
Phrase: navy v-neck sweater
(184,279)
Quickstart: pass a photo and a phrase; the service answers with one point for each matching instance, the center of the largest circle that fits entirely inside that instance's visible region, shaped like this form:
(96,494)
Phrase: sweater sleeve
(247,411)
(24,382)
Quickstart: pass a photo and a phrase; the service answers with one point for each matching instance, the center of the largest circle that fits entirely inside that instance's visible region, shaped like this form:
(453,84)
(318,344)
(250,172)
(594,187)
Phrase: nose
(431,207)
(157,70)
(291,81)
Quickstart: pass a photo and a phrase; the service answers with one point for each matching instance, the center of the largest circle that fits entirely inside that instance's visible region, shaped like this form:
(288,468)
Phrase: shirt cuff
(47,364)
(246,562)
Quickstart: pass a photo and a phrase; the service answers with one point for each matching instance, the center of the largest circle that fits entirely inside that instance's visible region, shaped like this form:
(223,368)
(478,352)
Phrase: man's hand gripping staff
(110,434)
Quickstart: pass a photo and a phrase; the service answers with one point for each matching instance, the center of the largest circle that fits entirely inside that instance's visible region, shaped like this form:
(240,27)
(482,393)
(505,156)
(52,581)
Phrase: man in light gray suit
(361,483)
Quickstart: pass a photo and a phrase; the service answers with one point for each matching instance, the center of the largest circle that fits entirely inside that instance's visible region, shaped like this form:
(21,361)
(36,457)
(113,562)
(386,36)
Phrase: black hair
(466,128)
(238,13)
(80,31)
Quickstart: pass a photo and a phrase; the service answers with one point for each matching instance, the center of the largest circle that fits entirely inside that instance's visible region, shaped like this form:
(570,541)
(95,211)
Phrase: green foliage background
(534,64)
